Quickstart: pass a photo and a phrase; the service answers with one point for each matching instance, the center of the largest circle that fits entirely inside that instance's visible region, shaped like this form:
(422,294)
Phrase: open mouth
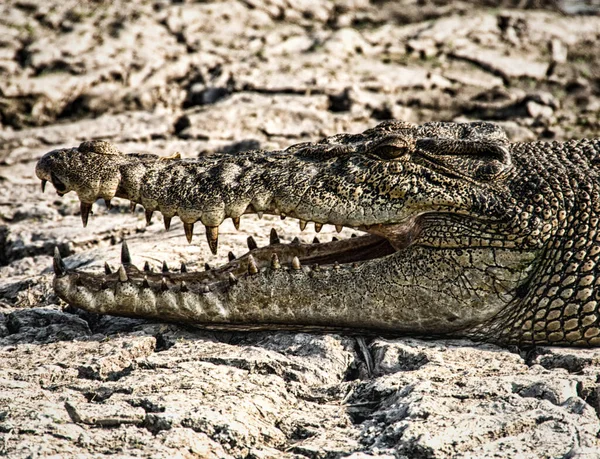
(378,242)
(316,255)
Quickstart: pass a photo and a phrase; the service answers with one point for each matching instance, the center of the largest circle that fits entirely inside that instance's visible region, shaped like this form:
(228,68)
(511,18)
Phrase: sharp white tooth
(212,236)
(275,261)
(252,267)
(122,274)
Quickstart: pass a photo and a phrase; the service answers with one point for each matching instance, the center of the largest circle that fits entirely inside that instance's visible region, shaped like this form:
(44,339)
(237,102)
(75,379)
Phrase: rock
(505,66)
(118,361)
(559,51)
(239,116)
(99,415)
(536,110)
(456,398)
(43,326)
(196,443)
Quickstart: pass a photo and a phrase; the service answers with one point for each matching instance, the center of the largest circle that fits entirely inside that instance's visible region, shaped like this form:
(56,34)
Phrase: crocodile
(464,234)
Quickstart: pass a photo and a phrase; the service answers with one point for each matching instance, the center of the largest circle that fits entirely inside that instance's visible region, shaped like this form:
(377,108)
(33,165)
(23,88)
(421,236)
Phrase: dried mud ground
(163,77)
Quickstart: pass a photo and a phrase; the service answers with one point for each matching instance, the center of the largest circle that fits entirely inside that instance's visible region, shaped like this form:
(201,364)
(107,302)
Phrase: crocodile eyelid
(393,147)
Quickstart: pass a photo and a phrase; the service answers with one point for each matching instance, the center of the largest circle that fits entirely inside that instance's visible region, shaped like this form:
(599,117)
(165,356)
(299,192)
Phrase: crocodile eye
(389,151)
(393,147)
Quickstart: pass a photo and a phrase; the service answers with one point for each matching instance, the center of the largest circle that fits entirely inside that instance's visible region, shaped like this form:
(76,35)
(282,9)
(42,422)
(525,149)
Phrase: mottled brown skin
(470,235)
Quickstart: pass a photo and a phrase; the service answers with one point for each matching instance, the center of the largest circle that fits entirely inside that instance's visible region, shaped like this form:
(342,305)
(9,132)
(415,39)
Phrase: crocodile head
(447,242)
(393,181)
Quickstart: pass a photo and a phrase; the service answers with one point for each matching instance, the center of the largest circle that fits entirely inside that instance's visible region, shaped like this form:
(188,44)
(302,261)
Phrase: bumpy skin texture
(470,235)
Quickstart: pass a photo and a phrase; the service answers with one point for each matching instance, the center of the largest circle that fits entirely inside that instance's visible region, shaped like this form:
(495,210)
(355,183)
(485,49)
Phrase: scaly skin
(470,235)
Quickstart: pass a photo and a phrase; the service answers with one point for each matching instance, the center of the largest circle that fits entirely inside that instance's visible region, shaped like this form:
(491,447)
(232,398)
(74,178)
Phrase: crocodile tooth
(145,283)
(336,265)
(252,268)
(107,269)
(108,204)
(183,267)
(334,239)
(44,185)
(122,274)
(165,267)
(296,240)
(125,255)
(206,289)
(318,227)
(232,279)
(85,209)
(316,240)
(189,232)
(251,243)
(212,236)
(296,263)
(302,224)
(207,267)
(167,222)
(147,267)
(149,217)
(231,256)
(163,285)
(132,206)
(339,228)
(183,287)
(236,222)
(274,237)
(275,261)
(59,266)
(260,214)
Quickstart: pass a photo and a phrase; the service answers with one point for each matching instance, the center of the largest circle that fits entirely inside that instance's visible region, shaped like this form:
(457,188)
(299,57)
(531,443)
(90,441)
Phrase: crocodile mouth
(379,242)
(373,242)
(376,241)
(355,249)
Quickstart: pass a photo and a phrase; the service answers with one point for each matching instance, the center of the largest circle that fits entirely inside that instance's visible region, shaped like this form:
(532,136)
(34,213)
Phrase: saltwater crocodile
(468,234)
